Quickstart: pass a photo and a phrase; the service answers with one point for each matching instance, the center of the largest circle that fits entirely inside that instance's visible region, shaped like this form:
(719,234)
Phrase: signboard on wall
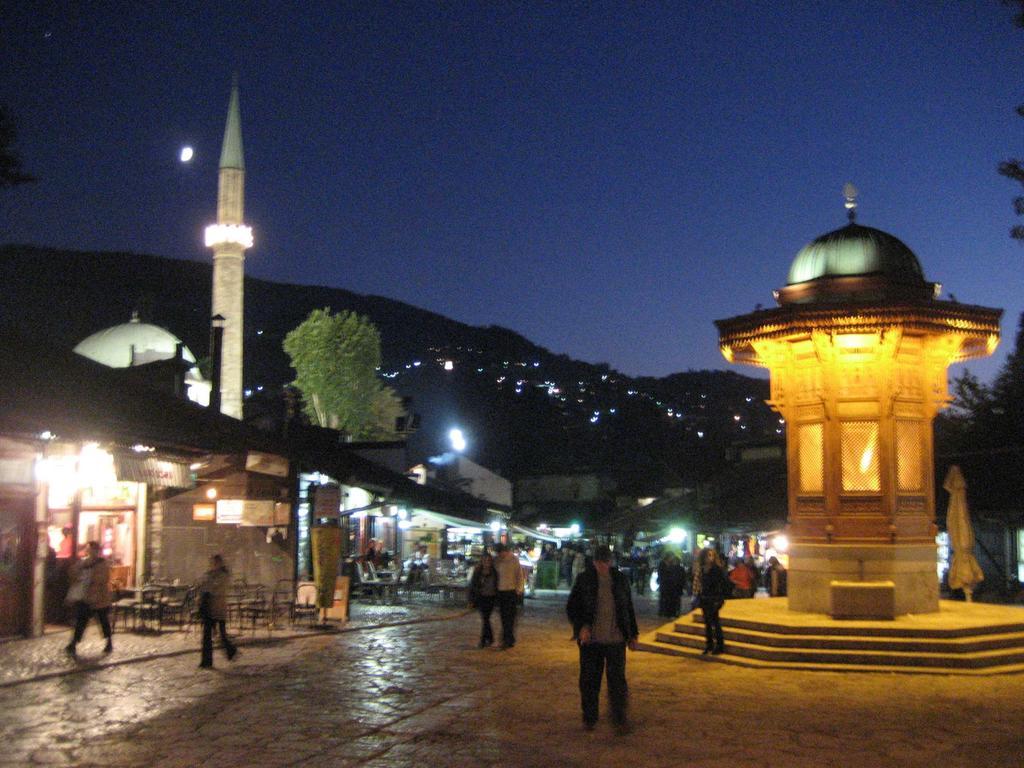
(249,512)
(326,501)
(229,511)
(258,513)
(282,513)
(266,464)
(204,512)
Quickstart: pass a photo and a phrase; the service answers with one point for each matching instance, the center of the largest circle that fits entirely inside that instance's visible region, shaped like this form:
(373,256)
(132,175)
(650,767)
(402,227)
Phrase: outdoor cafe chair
(255,608)
(368,585)
(123,609)
(282,601)
(149,607)
(178,602)
(305,602)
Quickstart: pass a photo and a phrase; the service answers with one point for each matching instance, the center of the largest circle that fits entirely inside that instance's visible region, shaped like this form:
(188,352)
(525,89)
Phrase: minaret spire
(229,238)
(231,151)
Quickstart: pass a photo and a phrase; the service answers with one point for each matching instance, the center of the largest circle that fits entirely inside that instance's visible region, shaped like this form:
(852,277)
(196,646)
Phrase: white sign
(229,511)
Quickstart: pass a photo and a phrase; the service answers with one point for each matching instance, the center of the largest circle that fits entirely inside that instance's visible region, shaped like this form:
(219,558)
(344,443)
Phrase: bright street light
(457,439)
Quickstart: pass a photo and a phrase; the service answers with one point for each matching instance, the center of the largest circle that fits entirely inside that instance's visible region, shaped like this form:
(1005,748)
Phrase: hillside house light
(857,352)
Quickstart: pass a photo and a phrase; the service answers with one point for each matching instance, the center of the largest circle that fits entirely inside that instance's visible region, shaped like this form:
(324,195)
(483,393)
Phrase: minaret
(229,238)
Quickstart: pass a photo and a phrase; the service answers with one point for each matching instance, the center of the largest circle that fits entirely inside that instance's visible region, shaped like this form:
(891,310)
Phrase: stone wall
(182,547)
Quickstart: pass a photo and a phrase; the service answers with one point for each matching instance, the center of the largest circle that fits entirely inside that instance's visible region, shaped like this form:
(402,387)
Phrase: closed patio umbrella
(964,573)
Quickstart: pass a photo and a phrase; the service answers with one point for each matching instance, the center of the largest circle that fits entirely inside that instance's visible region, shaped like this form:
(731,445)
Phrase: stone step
(867,642)
(859,628)
(650,644)
(738,646)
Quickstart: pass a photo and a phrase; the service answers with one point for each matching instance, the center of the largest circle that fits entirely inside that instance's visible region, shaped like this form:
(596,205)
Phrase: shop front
(17,535)
(100,493)
(445,536)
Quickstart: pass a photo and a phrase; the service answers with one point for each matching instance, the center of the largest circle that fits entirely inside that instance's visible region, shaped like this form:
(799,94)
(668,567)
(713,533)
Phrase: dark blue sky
(606,180)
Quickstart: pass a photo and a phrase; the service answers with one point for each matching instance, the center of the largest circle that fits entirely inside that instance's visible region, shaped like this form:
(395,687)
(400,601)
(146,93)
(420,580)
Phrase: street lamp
(457,440)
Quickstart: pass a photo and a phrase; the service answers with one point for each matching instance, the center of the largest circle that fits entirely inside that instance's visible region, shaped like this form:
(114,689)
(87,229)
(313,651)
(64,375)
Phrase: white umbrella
(964,573)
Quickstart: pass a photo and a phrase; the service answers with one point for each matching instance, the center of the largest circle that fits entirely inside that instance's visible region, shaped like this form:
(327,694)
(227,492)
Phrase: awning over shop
(158,473)
(450,520)
(532,532)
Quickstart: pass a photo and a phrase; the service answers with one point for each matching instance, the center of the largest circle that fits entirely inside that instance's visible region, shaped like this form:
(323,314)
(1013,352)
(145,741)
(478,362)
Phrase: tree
(986,417)
(1014,168)
(336,358)
(10,162)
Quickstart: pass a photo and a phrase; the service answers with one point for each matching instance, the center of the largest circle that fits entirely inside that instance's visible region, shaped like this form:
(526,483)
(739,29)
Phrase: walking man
(213,610)
(603,624)
(90,596)
(511,585)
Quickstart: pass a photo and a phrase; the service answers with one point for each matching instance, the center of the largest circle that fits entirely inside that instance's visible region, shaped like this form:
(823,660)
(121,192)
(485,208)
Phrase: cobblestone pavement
(42,657)
(422,695)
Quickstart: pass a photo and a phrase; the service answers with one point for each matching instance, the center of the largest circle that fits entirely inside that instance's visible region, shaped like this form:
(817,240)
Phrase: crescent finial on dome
(850,193)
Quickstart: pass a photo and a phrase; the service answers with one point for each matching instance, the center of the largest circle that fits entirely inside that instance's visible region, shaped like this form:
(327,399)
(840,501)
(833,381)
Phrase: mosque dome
(132,343)
(136,343)
(855,263)
(855,250)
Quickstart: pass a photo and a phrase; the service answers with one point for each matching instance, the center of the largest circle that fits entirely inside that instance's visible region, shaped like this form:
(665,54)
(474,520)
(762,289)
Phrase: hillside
(525,409)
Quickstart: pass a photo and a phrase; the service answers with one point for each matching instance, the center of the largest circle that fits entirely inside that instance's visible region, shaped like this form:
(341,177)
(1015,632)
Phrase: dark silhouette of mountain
(525,409)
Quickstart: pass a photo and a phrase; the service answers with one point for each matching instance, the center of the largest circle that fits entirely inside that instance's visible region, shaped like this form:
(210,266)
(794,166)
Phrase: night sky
(605,180)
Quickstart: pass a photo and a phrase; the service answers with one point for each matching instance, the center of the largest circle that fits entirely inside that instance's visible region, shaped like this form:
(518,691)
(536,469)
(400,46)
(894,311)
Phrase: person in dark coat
(775,577)
(213,610)
(600,609)
(711,585)
(91,596)
(671,578)
(483,592)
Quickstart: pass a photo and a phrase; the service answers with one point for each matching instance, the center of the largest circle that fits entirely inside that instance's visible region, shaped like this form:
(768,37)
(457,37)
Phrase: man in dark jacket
(603,623)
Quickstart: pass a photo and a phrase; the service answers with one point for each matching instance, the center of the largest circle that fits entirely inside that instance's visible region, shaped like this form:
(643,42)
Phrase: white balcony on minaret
(228,234)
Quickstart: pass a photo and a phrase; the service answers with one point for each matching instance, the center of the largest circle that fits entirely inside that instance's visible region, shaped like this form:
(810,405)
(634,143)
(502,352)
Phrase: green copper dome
(854,251)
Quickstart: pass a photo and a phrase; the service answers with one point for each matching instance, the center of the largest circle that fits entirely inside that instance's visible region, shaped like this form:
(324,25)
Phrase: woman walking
(483,591)
(213,609)
(711,585)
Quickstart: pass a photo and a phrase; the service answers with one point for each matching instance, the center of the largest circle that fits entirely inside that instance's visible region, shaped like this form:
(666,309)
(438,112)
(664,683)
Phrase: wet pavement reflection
(423,695)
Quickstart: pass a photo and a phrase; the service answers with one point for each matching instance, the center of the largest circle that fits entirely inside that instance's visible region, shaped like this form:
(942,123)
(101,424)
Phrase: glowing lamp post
(457,440)
(858,351)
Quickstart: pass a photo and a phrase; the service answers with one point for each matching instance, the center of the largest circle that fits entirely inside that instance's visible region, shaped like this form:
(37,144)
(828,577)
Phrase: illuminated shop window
(908,456)
(860,456)
(812,458)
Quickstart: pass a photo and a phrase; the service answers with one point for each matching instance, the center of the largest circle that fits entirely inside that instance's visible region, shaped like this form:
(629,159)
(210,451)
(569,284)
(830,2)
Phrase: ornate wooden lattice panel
(861,468)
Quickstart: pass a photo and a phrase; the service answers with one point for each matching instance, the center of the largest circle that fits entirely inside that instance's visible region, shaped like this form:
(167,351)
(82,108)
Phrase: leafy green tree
(10,162)
(336,358)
